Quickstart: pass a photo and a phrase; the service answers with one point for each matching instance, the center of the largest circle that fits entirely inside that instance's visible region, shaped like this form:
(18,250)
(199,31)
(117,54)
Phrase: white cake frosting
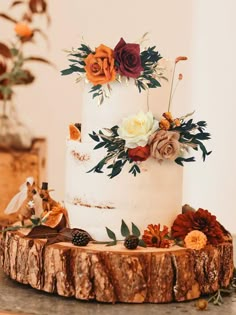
(94,201)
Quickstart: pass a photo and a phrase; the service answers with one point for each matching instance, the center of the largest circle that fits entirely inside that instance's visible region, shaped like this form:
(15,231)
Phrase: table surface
(21,299)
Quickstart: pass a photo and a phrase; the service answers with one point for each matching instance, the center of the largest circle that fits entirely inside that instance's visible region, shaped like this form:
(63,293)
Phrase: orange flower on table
(201,220)
(23,30)
(154,237)
(100,66)
(195,240)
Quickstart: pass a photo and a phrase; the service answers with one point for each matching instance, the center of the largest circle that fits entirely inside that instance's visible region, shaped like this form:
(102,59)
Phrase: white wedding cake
(93,200)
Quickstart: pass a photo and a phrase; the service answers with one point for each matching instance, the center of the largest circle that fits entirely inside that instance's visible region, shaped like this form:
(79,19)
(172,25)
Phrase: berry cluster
(80,238)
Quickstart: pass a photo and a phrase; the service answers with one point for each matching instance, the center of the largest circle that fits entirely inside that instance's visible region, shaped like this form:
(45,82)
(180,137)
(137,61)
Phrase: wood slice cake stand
(114,274)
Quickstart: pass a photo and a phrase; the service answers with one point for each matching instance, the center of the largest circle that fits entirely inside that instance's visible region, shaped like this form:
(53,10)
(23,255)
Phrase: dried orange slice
(75,134)
(55,218)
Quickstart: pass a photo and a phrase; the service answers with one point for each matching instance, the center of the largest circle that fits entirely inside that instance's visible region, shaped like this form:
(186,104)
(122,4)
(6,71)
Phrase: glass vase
(13,133)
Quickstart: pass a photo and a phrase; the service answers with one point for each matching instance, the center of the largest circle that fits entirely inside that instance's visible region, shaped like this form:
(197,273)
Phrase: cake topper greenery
(104,65)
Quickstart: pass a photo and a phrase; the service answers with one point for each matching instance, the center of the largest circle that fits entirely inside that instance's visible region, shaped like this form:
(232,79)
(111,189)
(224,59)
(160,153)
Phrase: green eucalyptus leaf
(67,71)
(142,243)
(99,145)
(135,230)
(111,234)
(124,229)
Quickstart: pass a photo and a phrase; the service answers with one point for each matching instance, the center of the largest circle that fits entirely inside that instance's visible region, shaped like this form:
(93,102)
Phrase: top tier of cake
(124,100)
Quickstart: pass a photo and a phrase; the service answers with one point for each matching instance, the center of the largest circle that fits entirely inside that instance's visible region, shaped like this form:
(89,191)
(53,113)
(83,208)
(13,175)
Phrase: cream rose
(136,130)
(164,145)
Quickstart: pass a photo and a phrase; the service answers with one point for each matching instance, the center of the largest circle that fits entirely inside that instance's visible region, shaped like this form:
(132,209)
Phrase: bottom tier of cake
(114,274)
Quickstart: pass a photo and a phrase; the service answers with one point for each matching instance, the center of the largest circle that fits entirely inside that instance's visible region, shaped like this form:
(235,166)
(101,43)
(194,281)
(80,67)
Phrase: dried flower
(177,122)
(75,133)
(168,116)
(154,237)
(180,58)
(195,240)
(201,304)
(201,220)
(164,124)
(23,30)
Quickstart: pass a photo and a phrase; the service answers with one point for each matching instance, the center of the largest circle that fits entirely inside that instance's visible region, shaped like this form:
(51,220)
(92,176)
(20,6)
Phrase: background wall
(196,28)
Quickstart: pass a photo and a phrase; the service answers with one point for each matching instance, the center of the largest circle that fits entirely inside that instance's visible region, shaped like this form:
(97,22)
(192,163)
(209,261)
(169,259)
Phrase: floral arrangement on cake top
(140,137)
(104,65)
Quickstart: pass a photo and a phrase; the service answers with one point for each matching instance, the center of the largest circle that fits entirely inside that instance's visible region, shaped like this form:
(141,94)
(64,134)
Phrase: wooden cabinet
(17,165)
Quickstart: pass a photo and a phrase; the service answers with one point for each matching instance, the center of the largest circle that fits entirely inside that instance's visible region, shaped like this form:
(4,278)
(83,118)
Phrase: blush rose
(128,58)
(164,145)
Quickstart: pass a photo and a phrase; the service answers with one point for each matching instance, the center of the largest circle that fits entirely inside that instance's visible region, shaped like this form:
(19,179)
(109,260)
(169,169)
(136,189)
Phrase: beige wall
(183,27)
(212,184)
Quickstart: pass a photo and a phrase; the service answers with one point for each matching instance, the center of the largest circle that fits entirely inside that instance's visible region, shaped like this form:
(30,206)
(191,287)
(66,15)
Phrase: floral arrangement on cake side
(104,65)
(141,136)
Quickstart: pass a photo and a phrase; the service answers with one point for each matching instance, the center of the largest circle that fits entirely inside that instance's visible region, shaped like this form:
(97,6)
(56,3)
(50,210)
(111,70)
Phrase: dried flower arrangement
(13,61)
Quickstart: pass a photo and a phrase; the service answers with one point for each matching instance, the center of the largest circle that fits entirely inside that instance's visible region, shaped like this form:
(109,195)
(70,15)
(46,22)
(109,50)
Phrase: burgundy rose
(139,153)
(128,58)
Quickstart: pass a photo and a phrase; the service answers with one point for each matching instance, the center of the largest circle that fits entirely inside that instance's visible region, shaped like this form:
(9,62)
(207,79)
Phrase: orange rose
(139,153)
(100,67)
(23,30)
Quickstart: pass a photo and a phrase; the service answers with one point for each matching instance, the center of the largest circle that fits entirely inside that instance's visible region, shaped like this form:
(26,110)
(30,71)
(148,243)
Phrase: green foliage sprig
(125,231)
(191,136)
(149,59)
(117,154)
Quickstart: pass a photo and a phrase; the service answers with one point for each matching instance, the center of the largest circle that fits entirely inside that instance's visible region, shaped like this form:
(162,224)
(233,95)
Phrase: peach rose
(100,67)
(164,145)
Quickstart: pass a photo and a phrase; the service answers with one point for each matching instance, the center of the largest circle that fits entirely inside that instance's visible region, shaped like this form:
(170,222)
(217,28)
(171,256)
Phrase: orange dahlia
(201,220)
(154,237)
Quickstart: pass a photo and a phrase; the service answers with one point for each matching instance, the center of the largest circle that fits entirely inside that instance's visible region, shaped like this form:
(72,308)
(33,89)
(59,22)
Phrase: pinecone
(80,238)
(131,242)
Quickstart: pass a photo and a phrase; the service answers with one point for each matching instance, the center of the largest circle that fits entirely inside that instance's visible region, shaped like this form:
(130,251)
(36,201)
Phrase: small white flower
(31,204)
(136,129)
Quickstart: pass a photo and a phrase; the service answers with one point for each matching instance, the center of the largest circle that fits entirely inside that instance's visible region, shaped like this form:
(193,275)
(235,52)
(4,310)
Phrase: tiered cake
(95,201)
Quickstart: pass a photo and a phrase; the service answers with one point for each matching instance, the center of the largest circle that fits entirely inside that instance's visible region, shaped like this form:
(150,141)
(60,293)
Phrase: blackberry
(131,242)
(80,238)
